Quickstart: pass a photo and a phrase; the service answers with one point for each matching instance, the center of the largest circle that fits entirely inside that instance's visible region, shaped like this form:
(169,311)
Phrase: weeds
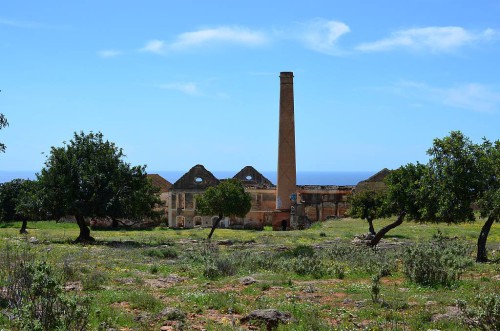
(34,295)
(483,313)
(439,262)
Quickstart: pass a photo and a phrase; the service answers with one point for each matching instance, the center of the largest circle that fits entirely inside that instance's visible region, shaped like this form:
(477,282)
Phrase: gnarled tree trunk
(23,227)
(481,241)
(84,236)
(370,226)
(216,224)
(381,233)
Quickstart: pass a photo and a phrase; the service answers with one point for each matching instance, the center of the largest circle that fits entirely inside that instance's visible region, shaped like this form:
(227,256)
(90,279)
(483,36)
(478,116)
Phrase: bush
(216,265)
(310,266)
(163,253)
(34,297)
(484,313)
(94,281)
(219,267)
(440,262)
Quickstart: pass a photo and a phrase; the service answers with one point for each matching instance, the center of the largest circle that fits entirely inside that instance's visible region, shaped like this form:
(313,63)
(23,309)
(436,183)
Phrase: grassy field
(165,279)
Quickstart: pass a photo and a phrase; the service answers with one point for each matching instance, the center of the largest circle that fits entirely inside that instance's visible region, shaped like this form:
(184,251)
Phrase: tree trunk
(370,226)
(23,227)
(84,236)
(386,229)
(216,224)
(481,241)
(114,223)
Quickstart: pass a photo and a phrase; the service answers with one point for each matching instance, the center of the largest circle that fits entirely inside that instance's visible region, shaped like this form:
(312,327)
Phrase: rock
(271,318)
(73,286)
(247,280)
(172,314)
(33,240)
(452,312)
(142,316)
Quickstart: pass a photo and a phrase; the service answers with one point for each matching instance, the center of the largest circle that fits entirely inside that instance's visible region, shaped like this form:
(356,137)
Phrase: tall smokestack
(287,176)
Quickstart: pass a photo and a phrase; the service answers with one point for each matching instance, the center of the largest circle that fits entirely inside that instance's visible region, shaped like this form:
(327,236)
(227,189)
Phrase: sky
(180,83)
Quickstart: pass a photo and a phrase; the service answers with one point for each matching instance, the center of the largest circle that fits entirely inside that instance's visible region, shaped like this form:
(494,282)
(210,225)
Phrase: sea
(303,177)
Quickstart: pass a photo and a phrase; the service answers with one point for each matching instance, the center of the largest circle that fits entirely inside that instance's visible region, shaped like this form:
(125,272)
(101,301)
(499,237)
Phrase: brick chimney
(287,177)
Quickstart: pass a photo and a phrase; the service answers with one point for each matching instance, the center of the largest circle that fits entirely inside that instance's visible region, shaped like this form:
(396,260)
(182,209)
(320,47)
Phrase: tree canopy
(461,177)
(88,178)
(3,124)
(402,196)
(368,205)
(228,198)
(9,194)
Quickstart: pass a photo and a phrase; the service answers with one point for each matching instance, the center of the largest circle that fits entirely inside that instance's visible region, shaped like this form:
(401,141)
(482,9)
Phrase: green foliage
(300,251)
(461,175)
(403,190)
(483,313)
(376,288)
(9,194)
(3,124)
(88,178)
(368,205)
(454,180)
(94,280)
(438,262)
(20,200)
(164,253)
(227,198)
(35,296)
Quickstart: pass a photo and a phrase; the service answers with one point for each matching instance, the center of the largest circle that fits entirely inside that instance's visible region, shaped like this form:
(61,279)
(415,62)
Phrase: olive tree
(368,205)
(228,198)
(403,197)
(88,178)
(462,175)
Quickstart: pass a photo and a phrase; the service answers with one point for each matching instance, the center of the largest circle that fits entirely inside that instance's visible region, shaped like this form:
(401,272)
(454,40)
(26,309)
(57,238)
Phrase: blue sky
(177,83)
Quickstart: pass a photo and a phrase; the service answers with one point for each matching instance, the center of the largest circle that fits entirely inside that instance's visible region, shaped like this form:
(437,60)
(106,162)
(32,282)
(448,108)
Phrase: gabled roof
(160,182)
(251,177)
(196,178)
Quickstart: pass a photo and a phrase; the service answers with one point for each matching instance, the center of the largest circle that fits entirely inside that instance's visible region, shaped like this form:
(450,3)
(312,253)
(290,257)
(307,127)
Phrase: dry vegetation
(167,279)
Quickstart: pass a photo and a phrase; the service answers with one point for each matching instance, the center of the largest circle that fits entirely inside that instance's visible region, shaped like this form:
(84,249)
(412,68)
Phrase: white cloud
(223,34)
(187,88)
(208,37)
(154,46)
(109,53)
(322,35)
(29,25)
(431,39)
(472,96)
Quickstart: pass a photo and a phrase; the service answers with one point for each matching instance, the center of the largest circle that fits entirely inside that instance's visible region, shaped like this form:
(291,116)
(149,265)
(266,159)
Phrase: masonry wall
(319,203)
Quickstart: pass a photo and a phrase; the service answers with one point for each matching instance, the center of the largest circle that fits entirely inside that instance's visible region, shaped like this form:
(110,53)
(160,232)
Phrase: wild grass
(316,275)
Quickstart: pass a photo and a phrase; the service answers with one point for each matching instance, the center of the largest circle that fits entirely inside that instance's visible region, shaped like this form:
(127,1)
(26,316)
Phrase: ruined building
(317,202)
(285,206)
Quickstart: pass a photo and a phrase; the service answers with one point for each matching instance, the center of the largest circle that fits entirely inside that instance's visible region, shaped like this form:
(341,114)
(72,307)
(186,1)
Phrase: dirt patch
(164,282)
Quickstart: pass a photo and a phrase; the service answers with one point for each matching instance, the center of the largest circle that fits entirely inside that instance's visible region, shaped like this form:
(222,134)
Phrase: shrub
(484,313)
(35,298)
(163,253)
(309,266)
(94,280)
(219,267)
(440,262)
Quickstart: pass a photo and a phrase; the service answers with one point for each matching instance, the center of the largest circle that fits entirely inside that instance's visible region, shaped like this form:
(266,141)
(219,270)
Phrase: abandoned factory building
(318,202)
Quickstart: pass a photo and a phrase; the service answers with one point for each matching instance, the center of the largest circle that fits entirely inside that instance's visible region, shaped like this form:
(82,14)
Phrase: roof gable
(160,182)
(196,178)
(251,177)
